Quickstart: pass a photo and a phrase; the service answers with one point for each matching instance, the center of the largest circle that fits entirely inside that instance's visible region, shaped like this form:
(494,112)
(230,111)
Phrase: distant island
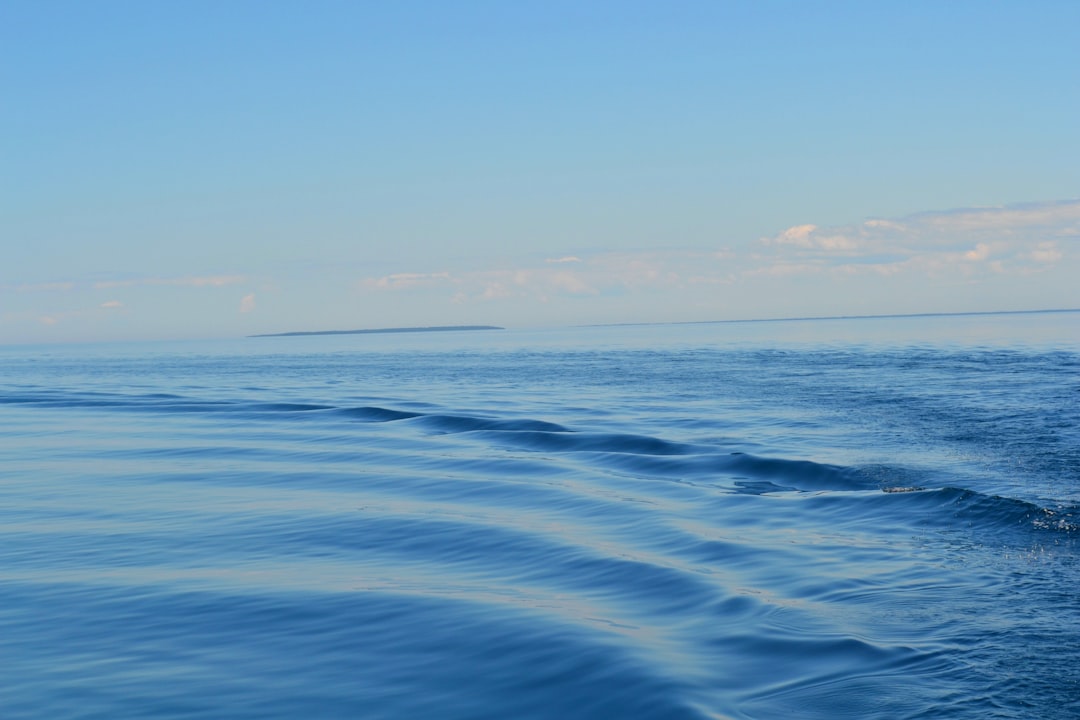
(438,328)
(840,317)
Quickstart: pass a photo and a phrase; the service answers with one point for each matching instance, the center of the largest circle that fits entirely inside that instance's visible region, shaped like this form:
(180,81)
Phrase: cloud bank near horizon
(992,258)
(965,243)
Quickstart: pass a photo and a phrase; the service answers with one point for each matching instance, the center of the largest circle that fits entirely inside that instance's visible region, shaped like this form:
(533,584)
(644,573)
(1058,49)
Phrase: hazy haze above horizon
(207,169)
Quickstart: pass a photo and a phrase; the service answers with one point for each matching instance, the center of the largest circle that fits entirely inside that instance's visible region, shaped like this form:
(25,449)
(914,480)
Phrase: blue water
(820,519)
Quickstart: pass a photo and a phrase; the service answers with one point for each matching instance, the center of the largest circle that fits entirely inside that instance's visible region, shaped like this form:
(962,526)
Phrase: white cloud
(883,224)
(798,235)
(808,237)
(597,276)
(1046,252)
(648,270)
(573,284)
(495,291)
(1059,215)
(399,281)
(836,242)
(943,247)
(968,241)
(247,303)
(111,304)
(189,281)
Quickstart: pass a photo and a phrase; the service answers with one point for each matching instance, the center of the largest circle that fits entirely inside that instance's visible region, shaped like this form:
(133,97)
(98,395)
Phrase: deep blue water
(826,519)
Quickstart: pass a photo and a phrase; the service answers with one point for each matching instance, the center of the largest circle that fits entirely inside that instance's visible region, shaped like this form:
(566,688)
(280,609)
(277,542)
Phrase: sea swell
(544,442)
(270,554)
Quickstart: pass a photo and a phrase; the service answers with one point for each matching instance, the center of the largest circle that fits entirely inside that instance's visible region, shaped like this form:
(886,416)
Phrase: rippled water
(828,519)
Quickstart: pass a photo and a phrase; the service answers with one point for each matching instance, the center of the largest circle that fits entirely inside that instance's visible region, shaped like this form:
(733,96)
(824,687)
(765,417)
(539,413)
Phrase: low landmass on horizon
(842,317)
(371,331)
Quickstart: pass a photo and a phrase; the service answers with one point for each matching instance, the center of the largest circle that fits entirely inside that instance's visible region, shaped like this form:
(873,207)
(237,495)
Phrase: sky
(217,169)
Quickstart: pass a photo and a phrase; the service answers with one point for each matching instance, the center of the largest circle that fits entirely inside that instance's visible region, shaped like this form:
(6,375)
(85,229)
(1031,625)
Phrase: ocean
(842,518)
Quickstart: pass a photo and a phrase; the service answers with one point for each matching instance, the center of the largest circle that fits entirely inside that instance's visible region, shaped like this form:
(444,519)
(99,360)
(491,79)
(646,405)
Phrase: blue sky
(215,169)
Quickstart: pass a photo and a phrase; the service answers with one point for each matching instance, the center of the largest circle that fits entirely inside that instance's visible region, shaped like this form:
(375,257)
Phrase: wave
(952,506)
(466,563)
(628,454)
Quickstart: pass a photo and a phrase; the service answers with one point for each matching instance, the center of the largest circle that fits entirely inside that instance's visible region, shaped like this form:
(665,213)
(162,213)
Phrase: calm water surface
(819,519)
